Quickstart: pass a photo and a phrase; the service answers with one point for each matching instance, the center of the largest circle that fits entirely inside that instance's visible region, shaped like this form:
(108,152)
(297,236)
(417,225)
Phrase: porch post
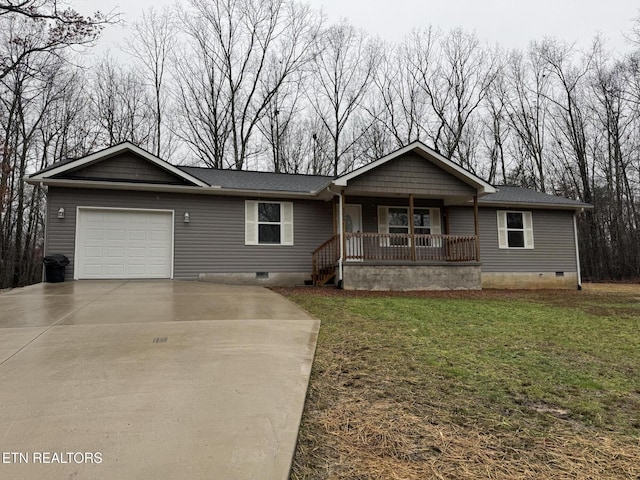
(476,226)
(412,229)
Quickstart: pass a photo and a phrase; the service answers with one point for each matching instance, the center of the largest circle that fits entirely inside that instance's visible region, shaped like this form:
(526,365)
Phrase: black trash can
(54,267)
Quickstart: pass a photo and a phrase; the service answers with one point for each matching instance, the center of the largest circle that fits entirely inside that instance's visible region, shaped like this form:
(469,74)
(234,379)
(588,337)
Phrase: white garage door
(124,244)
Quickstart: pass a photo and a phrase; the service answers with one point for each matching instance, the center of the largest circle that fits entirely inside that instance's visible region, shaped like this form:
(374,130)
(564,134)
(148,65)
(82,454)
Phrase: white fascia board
(459,172)
(147,187)
(111,151)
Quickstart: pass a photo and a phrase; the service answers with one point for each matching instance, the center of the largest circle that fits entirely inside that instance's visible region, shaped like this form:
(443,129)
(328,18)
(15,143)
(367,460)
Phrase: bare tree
(344,67)
(200,95)
(454,72)
(246,40)
(151,44)
(120,104)
(27,94)
(569,117)
(278,125)
(496,128)
(614,145)
(55,27)
(398,103)
(528,106)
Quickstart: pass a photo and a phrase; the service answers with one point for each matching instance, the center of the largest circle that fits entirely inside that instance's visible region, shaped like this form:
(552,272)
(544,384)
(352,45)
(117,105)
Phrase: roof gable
(125,163)
(421,151)
(409,172)
(126,167)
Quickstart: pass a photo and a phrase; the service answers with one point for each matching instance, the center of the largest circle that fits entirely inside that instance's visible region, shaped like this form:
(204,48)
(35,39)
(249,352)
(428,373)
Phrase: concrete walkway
(151,380)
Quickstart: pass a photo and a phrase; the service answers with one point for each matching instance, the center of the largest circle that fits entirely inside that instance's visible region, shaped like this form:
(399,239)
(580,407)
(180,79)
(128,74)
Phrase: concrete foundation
(257,278)
(453,276)
(529,280)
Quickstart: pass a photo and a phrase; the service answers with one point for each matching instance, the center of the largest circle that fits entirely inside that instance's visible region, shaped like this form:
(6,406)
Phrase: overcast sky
(510,23)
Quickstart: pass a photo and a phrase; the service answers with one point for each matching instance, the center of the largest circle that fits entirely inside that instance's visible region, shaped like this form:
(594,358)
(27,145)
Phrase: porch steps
(324,276)
(324,260)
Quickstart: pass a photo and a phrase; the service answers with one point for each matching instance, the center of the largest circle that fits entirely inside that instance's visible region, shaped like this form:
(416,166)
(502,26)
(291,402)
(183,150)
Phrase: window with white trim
(268,223)
(515,229)
(426,221)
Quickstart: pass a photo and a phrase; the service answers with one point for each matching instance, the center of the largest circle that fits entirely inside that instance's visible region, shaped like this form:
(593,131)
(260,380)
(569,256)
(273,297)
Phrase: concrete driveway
(151,379)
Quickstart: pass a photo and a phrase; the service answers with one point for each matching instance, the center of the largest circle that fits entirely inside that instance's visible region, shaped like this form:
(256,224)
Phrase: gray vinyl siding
(411,173)
(126,166)
(554,241)
(213,241)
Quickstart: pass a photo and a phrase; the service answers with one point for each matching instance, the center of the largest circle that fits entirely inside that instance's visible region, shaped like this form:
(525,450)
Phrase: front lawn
(473,385)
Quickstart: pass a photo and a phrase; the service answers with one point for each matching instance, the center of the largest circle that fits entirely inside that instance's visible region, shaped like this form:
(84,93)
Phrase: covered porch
(357,256)
(392,226)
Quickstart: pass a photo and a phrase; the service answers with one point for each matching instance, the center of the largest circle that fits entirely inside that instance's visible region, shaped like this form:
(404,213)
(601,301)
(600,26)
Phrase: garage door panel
(94,234)
(93,270)
(137,235)
(114,270)
(138,252)
(158,235)
(116,234)
(138,270)
(156,270)
(92,217)
(124,244)
(115,253)
(92,252)
(157,252)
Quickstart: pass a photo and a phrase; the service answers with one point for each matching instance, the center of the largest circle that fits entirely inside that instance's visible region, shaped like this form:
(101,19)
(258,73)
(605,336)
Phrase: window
(422,221)
(396,220)
(268,223)
(515,230)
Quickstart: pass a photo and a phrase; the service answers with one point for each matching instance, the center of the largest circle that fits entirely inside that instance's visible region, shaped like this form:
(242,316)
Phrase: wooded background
(269,85)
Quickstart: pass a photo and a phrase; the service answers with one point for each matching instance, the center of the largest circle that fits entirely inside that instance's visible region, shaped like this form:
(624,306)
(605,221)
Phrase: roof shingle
(259,181)
(525,196)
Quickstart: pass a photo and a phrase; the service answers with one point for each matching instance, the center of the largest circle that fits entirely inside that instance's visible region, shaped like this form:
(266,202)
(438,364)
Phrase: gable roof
(513,196)
(72,164)
(428,154)
(259,181)
(239,182)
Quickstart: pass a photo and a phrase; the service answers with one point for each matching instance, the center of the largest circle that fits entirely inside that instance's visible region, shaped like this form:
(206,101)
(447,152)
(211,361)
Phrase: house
(410,220)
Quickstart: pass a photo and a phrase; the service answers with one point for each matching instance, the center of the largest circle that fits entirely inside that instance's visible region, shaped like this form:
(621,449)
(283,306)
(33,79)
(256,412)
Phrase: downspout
(341,234)
(575,233)
(46,228)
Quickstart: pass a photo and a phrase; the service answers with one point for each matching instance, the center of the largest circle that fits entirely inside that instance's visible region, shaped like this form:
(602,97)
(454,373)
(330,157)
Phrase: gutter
(210,190)
(542,206)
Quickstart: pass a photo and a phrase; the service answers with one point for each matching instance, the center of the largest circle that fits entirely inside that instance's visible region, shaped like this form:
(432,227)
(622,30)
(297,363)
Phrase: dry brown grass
(377,423)
(359,440)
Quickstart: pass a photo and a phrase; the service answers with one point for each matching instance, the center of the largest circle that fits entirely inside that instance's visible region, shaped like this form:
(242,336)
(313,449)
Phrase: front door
(353,224)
